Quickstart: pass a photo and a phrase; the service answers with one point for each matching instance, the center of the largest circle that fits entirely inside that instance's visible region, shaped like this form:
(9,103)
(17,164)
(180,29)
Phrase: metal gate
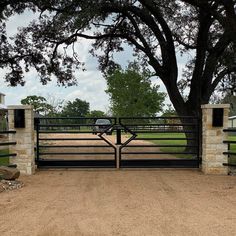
(135,142)
(71,142)
(160,142)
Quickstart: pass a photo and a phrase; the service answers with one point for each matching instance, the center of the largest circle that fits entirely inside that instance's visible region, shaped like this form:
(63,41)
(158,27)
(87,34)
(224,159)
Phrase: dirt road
(125,202)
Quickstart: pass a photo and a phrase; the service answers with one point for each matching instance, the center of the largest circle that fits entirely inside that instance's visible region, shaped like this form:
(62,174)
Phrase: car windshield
(102,122)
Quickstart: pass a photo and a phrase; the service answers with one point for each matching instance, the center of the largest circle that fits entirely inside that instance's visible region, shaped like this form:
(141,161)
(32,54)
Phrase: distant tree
(76,108)
(225,98)
(131,93)
(56,103)
(39,103)
(230,99)
(96,113)
(170,111)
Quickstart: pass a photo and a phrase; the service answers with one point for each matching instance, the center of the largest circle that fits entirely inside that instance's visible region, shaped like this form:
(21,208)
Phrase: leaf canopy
(158,31)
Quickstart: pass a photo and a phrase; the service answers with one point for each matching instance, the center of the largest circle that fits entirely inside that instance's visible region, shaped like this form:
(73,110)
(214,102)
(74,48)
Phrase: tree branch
(220,76)
(146,49)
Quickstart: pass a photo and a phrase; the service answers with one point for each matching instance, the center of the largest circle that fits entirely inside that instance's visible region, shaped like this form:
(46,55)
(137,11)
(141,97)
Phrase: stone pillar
(212,141)
(24,137)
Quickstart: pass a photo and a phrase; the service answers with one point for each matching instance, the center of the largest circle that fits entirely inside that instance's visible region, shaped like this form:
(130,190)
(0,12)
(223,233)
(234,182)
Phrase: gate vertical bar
(118,136)
(37,121)
(118,150)
(199,138)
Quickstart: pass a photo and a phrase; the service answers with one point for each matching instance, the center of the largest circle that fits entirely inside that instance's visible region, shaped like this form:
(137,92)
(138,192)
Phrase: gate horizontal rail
(74,146)
(163,131)
(76,153)
(138,153)
(132,145)
(68,139)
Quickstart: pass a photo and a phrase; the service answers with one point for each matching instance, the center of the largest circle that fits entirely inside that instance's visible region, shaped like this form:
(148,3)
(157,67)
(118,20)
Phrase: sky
(91,84)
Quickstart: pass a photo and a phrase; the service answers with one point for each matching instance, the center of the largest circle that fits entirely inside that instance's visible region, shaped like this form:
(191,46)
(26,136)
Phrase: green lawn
(169,142)
(4,160)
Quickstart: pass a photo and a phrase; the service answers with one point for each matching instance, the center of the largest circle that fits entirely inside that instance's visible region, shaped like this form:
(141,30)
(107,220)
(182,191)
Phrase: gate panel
(140,142)
(72,142)
(160,142)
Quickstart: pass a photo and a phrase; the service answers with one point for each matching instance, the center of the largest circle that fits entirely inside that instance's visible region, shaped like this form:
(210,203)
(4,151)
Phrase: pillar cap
(211,106)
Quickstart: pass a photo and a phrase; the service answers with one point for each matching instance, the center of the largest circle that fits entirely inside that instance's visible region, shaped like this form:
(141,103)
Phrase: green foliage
(230,99)
(39,103)
(158,31)
(227,98)
(96,113)
(131,93)
(3,120)
(4,160)
(76,108)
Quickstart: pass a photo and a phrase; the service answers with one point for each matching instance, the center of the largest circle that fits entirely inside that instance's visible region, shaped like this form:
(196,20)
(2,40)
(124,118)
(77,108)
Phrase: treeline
(58,108)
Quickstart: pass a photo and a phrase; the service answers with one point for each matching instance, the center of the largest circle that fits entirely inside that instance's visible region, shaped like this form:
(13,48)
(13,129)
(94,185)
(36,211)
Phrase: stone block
(210,158)
(215,170)
(211,132)
(22,152)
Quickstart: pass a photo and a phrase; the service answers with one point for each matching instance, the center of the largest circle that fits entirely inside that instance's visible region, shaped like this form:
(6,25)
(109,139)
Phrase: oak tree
(39,103)
(76,108)
(158,31)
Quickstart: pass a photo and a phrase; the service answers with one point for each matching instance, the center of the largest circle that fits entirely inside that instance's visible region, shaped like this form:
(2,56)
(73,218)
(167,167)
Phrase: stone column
(24,137)
(212,141)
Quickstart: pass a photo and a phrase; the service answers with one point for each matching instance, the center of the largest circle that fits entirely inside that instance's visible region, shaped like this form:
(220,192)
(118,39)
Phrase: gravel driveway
(126,202)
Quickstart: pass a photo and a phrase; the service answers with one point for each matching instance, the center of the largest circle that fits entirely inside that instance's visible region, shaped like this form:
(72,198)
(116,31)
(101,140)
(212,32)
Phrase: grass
(4,160)
(169,142)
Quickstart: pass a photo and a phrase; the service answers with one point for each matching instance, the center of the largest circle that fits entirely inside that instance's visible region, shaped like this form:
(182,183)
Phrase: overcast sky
(91,85)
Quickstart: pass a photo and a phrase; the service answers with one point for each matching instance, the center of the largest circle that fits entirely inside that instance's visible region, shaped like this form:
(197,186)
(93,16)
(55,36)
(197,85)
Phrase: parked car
(101,125)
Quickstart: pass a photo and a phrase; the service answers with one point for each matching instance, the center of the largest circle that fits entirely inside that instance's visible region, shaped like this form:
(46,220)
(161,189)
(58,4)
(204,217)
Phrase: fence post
(214,121)
(24,137)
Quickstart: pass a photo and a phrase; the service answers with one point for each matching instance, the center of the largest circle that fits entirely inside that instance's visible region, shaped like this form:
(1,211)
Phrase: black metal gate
(71,142)
(135,142)
(160,142)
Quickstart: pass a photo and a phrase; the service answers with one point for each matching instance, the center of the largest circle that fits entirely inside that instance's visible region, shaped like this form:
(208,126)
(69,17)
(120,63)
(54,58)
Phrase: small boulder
(9,173)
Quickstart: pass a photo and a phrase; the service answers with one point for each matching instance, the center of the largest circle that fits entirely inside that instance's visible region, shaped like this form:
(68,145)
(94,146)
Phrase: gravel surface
(6,185)
(125,202)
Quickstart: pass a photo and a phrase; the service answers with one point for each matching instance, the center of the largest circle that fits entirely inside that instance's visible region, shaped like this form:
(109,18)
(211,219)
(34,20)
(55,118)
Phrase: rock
(6,185)
(9,173)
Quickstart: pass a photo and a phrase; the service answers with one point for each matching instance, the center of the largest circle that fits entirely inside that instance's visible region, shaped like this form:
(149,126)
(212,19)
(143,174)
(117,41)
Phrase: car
(102,125)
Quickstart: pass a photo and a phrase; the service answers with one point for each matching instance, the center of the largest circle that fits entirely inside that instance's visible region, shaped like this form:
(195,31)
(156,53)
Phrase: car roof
(103,121)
